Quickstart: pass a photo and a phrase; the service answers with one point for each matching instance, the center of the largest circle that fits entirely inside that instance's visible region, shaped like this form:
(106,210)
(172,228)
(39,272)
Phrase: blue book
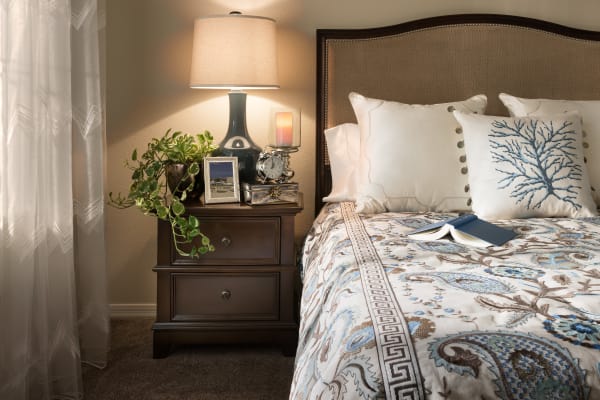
(465,229)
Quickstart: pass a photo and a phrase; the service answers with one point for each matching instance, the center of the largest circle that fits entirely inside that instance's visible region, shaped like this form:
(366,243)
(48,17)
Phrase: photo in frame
(221,180)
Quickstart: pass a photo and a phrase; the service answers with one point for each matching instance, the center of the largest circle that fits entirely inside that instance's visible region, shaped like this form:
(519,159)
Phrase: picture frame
(221,180)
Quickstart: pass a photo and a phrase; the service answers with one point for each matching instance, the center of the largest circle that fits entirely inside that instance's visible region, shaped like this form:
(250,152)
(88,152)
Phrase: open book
(466,229)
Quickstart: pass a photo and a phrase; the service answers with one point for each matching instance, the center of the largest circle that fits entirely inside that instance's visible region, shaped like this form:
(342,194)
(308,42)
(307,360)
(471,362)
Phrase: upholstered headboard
(450,58)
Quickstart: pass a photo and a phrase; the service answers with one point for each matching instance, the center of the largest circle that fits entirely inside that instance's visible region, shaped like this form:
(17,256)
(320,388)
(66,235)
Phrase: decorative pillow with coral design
(590,112)
(526,167)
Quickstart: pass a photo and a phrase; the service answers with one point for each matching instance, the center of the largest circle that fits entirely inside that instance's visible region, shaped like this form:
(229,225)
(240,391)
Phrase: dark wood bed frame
(449,58)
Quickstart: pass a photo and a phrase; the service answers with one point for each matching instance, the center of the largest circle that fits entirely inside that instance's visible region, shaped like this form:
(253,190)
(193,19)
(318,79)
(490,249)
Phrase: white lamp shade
(234,52)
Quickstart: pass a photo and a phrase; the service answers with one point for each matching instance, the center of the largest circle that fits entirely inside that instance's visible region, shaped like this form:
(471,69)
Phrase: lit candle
(284,134)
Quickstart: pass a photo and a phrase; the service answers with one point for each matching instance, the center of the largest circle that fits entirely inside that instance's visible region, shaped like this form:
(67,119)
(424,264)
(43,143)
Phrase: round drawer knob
(225,294)
(225,241)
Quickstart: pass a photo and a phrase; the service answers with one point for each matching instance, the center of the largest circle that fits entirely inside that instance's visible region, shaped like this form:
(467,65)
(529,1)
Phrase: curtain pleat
(53,299)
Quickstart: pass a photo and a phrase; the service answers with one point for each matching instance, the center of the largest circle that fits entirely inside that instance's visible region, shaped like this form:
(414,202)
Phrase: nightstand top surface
(241,208)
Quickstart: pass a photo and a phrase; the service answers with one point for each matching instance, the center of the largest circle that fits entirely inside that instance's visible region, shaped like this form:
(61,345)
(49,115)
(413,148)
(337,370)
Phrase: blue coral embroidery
(412,222)
(555,260)
(592,220)
(524,366)
(574,329)
(518,272)
(537,161)
(360,338)
(570,235)
(464,281)
(442,247)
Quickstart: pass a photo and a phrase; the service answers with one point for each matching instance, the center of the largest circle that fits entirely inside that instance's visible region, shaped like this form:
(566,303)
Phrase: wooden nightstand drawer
(243,292)
(225,296)
(238,241)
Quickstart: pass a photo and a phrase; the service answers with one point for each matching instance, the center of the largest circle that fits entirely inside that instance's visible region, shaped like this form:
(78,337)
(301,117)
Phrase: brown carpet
(188,373)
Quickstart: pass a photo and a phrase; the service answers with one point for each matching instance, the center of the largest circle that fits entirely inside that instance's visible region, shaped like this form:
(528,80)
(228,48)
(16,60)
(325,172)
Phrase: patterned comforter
(384,316)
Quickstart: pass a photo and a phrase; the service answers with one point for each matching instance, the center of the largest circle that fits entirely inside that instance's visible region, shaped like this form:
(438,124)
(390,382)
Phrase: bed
(384,316)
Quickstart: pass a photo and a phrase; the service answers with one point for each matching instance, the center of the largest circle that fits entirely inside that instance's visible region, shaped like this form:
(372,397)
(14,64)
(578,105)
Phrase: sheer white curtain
(53,306)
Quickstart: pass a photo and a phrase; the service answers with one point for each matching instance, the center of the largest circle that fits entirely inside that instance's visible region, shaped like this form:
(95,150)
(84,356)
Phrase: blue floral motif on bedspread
(572,328)
(521,321)
(464,281)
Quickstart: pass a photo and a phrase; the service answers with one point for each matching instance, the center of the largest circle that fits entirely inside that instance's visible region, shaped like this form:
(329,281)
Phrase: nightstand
(243,292)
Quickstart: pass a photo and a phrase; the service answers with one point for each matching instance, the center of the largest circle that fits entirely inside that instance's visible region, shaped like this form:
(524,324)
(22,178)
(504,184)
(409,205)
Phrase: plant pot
(175,174)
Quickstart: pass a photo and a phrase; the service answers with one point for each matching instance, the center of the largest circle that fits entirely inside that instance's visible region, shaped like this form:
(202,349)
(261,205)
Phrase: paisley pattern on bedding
(525,366)
(520,321)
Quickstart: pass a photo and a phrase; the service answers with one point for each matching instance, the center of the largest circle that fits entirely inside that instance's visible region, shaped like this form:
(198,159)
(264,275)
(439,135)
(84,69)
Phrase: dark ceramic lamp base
(237,141)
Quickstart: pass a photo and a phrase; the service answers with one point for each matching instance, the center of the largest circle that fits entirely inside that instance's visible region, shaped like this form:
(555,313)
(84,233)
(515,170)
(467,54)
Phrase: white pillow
(343,147)
(411,155)
(526,167)
(589,111)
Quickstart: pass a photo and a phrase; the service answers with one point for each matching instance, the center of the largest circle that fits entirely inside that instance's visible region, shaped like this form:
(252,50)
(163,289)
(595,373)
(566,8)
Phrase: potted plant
(163,178)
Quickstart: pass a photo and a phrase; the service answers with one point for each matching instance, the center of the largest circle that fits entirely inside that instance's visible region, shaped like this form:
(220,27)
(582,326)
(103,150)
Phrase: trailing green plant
(149,190)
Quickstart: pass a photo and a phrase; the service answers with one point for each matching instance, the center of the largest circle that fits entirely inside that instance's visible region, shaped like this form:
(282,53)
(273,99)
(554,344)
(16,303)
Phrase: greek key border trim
(397,356)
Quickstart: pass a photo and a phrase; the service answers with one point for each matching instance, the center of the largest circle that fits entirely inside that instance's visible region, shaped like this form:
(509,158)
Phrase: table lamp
(235,52)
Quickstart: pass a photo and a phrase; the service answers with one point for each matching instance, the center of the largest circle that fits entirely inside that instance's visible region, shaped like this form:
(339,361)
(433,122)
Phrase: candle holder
(273,165)
(284,152)
(285,129)
(284,139)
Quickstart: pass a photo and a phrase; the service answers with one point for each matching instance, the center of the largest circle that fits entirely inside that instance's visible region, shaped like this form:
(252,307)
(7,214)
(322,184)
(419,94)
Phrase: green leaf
(162,212)
(193,169)
(180,221)
(148,189)
(150,171)
(193,221)
(144,187)
(177,207)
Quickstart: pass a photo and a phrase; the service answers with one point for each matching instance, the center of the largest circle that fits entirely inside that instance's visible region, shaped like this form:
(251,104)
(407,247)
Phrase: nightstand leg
(162,346)
(289,343)
(289,350)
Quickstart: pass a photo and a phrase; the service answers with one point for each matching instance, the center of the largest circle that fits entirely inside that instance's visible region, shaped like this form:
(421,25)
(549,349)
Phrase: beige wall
(148,46)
